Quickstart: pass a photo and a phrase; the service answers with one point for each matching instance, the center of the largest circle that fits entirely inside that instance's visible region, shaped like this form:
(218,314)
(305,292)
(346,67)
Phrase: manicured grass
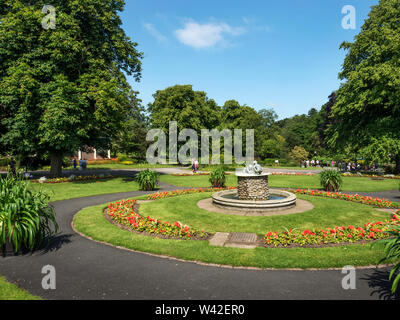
(9,291)
(91,222)
(78,189)
(284,181)
(326,213)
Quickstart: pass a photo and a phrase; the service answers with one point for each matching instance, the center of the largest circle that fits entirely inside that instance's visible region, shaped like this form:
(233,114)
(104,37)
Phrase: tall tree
(190,109)
(64,87)
(367,107)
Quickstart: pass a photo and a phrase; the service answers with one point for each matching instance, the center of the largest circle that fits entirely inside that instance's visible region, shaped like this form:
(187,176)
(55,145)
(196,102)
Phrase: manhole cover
(238,237)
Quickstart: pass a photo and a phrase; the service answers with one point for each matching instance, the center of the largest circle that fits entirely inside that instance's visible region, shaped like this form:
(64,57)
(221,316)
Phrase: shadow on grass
(381,285)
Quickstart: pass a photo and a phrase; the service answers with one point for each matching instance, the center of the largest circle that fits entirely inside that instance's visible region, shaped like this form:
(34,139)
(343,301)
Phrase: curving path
(89,270)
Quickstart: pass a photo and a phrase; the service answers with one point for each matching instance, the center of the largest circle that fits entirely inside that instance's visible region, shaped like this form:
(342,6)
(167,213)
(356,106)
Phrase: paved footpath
(89,270)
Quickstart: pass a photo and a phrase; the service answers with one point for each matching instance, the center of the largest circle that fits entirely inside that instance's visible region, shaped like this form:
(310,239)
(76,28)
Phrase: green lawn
(91,222)
(9,291)
(70,190)
(284,181)
(326,213)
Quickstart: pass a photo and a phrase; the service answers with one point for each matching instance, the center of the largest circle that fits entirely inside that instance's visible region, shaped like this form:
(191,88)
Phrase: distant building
(92,154)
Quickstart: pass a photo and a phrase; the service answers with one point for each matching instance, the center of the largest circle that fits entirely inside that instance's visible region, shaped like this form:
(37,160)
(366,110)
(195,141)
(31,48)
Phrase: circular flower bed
(125,213)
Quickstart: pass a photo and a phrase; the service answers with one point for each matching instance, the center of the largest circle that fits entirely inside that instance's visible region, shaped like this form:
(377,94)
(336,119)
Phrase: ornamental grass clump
(147,179)
(392,254)
(218,178)
(26,218)
(331,180)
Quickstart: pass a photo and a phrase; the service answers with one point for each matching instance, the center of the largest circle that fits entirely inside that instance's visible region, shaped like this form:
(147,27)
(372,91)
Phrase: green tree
(367,107)
(298,153)
(63,88)
(190,109)
(131,139)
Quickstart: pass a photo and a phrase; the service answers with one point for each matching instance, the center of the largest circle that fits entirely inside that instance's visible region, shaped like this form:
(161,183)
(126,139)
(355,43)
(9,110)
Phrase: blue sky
(281,54)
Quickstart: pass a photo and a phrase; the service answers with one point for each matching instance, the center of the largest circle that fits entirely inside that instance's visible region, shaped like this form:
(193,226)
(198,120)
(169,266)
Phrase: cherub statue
(254,168)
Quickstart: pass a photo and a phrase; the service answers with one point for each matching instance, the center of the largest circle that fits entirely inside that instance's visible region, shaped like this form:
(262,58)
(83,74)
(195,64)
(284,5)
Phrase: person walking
(74,163)
(196,166)
(193,167)
(13,166)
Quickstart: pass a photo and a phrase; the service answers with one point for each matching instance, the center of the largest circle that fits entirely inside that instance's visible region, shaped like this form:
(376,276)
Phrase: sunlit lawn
(9,291)
(70,190)
(326,213)
(360,184)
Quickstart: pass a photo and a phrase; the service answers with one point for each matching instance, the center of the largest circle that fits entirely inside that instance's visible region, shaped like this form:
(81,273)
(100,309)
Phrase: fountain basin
(278,200)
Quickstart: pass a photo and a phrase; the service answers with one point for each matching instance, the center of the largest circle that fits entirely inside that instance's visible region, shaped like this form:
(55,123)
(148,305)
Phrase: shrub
(331,180)
(26,219)
(147,179)
(392,254)
(217,178)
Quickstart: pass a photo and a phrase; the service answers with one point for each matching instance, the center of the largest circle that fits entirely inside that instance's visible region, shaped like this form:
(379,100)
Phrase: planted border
(376,202)
(125,213)
(337,235)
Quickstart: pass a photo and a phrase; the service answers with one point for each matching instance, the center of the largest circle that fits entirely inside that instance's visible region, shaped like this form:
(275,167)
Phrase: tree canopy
(367,107)
(63,88)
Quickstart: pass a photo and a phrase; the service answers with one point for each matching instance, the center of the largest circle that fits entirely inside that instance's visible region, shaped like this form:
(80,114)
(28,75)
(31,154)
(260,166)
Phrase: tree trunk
(56,165)
(397,161)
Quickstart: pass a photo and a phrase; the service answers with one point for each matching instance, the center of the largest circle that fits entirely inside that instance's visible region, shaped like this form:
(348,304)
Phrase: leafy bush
(392,254)
(218,178)
(26,219)
(147,179)
(331,180)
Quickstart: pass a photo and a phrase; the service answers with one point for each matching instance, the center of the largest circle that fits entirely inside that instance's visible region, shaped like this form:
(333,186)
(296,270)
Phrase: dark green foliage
(147,179)
(26,219)
(392,255)
(367,108)
(331,180)
(64,88)
(218,178)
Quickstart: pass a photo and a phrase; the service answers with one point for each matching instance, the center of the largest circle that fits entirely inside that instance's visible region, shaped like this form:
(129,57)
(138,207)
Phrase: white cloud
(206,35)
(155,33)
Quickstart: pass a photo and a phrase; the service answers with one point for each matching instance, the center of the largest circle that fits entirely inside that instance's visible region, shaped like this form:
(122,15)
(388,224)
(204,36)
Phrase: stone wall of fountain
(253,193)
(253,187)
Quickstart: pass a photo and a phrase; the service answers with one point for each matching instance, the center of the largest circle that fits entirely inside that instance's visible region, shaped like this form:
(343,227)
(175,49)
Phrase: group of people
(82,164)
(342,165)
(352,167)
(316,163)
(195,165)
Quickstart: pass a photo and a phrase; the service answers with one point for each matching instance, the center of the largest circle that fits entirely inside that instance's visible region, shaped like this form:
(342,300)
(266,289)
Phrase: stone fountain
(253,193)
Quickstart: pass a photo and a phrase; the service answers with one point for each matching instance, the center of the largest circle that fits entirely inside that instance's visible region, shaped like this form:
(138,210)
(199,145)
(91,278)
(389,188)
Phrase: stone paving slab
(234,240)
(219,239)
